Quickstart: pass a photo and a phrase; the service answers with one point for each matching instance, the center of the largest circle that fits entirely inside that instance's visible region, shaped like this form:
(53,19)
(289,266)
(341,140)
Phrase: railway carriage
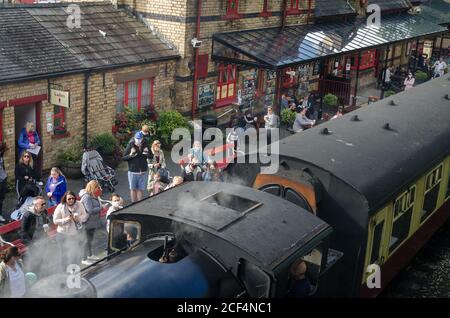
(378,175)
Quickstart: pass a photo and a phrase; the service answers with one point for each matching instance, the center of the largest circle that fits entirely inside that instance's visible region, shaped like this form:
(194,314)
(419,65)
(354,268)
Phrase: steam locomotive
(368,188)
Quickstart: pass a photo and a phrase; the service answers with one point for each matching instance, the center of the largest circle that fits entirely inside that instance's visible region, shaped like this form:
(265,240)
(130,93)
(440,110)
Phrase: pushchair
(94,168)
(31,188)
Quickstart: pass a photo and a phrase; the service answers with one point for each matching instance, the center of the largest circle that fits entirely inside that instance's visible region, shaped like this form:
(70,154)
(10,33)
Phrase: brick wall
(101,109)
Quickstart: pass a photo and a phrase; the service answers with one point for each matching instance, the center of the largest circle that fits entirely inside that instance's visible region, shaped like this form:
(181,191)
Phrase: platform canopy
(276,48)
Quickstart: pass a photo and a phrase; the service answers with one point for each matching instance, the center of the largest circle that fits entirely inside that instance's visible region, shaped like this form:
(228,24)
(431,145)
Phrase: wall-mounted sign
(206,95)
(59,98)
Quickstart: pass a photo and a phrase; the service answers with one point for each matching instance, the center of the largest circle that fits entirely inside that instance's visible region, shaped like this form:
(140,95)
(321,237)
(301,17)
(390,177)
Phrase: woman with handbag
(26,178)
(156,164)
(68,217)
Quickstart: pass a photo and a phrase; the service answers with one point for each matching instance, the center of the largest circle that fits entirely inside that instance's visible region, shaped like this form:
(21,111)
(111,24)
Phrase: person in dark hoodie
(55,187)
(136,154)
(90,199)
(35,225)
(26,176)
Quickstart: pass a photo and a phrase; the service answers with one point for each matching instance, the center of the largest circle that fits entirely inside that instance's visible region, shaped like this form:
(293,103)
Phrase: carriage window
(447,194)
(432,186)
(294,197)
(403,208)
(376,242)
(272,189)
(124,234)
(314,261)
(255,280)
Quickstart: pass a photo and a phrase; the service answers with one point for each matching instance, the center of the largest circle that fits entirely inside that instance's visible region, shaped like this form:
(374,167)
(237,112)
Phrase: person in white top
(271,120)
(12,278)
(409,81)
(439,67)
(69,216)
(116,204)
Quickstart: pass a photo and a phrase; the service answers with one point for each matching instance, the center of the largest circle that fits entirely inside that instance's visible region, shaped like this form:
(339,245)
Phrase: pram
(94,168)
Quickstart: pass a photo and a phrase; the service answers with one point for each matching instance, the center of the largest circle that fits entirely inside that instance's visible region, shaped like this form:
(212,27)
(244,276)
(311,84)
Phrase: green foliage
(421,76)
(389,93)
(130,121)
(167,122)
(287,116)
(73,154)
(104,143)
(330,100)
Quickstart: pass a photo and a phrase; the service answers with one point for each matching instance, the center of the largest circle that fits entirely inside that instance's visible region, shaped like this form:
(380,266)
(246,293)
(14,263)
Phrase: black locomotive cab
(232,242)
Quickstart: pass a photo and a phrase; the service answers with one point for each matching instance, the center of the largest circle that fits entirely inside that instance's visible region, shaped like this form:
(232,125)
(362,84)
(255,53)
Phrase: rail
(227,112)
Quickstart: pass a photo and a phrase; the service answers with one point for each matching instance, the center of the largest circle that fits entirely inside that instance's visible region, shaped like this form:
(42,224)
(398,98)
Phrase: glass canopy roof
(276,48)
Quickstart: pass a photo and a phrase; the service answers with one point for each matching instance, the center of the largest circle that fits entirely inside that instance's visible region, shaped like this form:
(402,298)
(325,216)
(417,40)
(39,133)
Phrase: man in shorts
(136,154)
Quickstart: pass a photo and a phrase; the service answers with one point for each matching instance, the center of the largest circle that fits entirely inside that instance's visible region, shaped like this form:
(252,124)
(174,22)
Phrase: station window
(226,86)
(368,59)
(432,185)
(59,120)
(403,208)
(232,9)
(293,7)
(137,95)
(447,194)
(265,12)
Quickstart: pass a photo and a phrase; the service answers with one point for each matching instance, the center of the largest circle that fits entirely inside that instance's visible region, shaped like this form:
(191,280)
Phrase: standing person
(12,278)
(56,186)
(250,120)
(387,78)
(35,225)
(28,138)
(26,176)
(3,180)
(439,67)
(90,199)
(157,164)
(271,120)
(197,152)
(116,204)
(68,216)
(136,154)
(409,81)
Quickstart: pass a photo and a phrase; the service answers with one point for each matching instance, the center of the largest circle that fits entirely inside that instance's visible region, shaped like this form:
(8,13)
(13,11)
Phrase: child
(156,186)
(116,204)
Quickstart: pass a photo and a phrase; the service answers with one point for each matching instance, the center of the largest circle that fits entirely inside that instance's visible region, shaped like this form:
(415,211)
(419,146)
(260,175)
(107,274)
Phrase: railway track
(428,275)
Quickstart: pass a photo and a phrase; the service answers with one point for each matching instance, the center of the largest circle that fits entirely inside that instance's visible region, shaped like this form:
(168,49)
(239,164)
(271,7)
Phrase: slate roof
(387,5)
(437,11)
(331,8)
(126,40)
(36,42)
(27,49)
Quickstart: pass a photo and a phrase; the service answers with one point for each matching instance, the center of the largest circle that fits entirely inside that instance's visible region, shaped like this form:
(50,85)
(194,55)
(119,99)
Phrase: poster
(248,90)
(269,99)
(205,95)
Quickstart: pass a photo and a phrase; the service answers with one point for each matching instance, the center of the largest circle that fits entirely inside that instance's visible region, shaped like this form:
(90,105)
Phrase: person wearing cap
(136,154)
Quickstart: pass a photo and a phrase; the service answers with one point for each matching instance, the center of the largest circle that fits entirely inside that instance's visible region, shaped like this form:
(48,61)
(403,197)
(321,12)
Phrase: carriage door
(376,243)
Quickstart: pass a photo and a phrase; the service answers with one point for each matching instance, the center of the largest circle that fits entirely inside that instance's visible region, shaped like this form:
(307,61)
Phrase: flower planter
(71,170)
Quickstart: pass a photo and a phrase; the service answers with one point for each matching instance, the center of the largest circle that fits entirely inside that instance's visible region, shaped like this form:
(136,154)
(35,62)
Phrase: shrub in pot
(287,117)
(70,161)
(330,100)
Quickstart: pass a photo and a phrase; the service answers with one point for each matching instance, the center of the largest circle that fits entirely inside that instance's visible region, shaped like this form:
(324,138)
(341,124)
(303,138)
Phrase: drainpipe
(284,14)
(197,35)
(86,94)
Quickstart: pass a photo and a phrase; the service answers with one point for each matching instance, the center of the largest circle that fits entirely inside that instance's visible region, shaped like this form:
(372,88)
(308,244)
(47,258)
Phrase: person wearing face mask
(90,199)
(68,216)
(137,154)
(116,204)
(409,81)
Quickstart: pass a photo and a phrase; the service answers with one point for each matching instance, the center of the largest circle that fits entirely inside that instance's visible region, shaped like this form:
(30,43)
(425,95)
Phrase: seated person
(300,285)
(301,121)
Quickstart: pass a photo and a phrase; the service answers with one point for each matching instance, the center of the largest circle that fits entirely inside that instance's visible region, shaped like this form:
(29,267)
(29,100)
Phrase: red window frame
(224,87)
(294,7)
(232,10)
(368,60)
(203,60)
(139,97)
(265,13)
(61,115)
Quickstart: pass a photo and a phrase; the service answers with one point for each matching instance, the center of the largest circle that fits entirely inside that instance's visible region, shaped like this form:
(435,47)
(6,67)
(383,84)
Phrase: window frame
(61,115)
(265,11)
(231,78)
(294,7)
(232,13)
(438,175)
(368,60)
(140,97)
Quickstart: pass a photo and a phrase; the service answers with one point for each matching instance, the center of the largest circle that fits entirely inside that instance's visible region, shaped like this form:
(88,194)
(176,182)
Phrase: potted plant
(70,161)
(389,93)
(330,100)
(287,117)
(108,147)
(166,123)
(420,77)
